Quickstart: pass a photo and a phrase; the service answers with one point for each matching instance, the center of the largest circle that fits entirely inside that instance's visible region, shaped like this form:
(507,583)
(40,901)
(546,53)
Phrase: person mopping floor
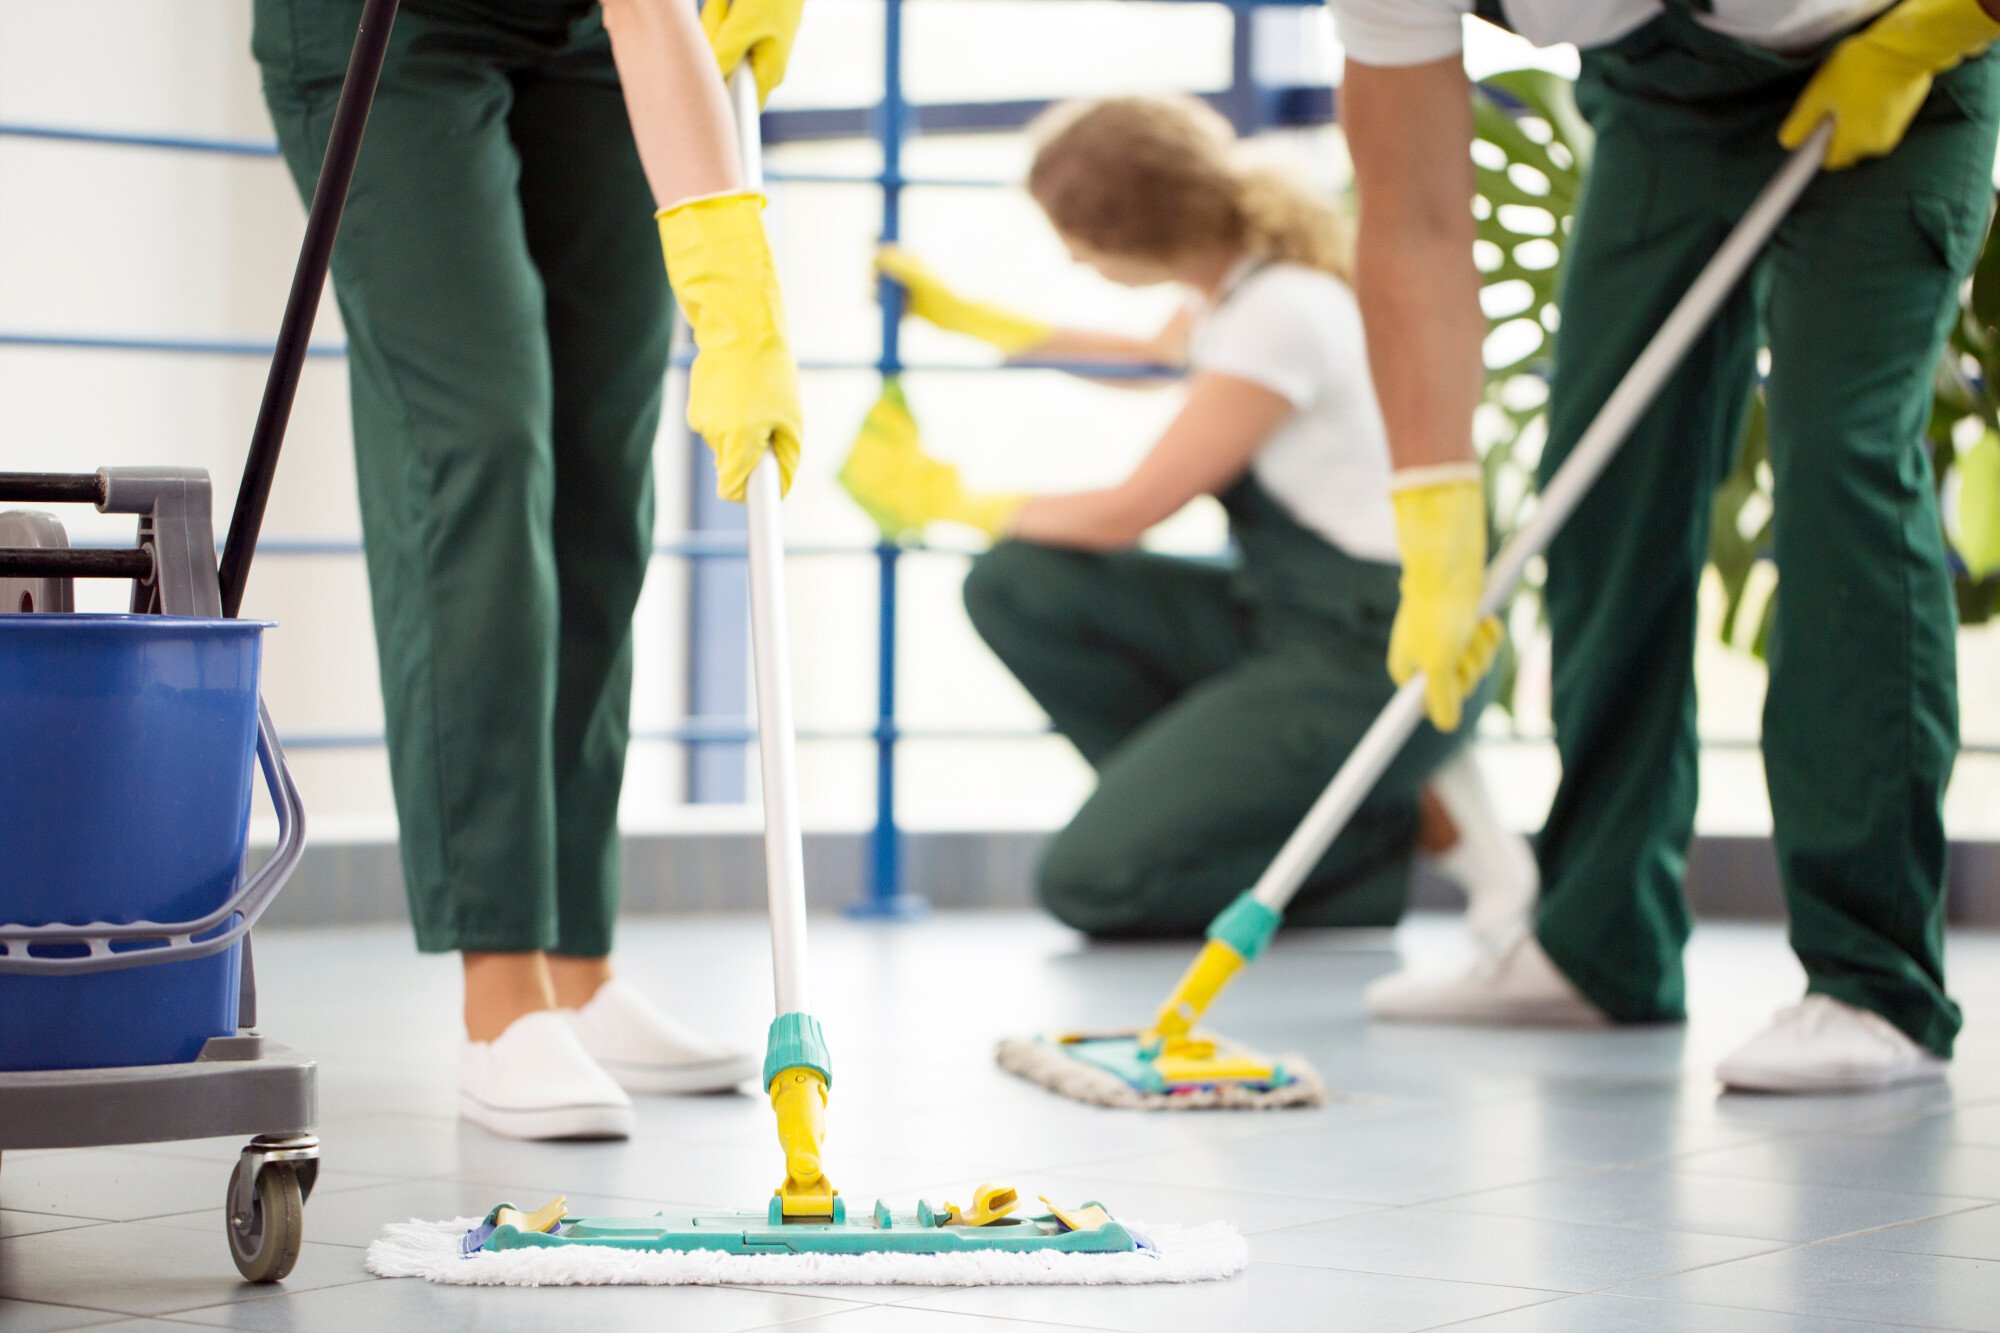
(804,1233)
(1693,105)
(508,322)
(1213,700)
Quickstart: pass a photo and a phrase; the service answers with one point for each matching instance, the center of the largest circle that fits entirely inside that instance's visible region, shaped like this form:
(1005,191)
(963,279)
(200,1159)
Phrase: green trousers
(1213,720)
(1853,298)
(508,321)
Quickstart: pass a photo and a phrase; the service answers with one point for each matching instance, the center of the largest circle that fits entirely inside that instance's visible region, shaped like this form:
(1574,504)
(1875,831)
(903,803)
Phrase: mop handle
(1593,452)
(288,358)
(777,746)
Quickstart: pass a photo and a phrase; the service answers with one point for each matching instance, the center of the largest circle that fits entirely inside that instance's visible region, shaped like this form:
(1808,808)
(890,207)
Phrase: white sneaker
(1519,985)
(1825,1045)
(536,1081)
(646,1051)
(1492,864)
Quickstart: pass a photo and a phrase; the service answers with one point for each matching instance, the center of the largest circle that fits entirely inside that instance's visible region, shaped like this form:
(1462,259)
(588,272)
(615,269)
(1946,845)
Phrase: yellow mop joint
(798,1073)
(799,1098)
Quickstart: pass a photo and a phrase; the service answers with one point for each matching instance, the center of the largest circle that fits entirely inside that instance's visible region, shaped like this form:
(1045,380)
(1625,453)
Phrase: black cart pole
(343,148)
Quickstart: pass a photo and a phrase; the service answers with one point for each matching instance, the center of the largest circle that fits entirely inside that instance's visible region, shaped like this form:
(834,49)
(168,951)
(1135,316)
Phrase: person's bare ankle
(576,980)
(501,988)
(1436,833)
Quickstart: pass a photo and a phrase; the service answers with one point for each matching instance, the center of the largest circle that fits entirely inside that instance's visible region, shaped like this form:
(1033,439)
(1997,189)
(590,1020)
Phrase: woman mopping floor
(508,322)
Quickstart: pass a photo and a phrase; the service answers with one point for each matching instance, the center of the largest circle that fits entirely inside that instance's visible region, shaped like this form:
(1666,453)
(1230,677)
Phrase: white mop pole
(1614,421)
(777,746)
(784,845)
(797,1066)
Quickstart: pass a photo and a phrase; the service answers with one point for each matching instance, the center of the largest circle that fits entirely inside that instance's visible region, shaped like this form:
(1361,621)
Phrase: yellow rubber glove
(761,30)
(1010,331)
(1979,506)
(1874,81)
(743,392)
(903,488)
(1441,530)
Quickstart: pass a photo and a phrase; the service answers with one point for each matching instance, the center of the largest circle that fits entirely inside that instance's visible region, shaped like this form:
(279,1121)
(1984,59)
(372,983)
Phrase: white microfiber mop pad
(429,1250)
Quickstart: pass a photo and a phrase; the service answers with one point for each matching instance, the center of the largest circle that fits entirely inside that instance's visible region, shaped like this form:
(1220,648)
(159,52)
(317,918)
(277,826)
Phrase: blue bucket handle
(150,942)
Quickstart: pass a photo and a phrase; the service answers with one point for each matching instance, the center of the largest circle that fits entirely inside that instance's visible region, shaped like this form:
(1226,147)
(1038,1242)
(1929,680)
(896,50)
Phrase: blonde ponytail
(1285,221)
(1161,177)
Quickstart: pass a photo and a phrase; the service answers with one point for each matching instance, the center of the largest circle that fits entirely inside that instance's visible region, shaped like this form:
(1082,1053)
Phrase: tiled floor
(1498,1181)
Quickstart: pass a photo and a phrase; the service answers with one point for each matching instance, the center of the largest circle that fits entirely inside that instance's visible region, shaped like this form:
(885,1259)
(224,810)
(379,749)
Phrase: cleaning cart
(125,785)
(129,745)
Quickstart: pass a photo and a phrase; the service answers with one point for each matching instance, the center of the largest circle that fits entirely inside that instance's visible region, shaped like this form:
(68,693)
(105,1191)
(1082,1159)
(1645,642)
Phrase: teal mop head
(1088,1230)
(949,1246)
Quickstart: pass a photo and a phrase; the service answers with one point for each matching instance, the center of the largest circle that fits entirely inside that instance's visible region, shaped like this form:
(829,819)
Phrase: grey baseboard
(1736,879)
(355,883)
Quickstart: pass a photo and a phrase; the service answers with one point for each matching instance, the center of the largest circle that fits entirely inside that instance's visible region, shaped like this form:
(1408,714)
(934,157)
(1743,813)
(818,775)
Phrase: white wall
(96,239)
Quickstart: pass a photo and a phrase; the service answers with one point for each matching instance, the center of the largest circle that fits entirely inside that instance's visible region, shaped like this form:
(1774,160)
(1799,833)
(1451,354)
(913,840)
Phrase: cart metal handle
(28,949)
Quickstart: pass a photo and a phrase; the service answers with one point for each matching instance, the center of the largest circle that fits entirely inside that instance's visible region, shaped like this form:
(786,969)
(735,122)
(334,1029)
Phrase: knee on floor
(1000,584)
(1100,892)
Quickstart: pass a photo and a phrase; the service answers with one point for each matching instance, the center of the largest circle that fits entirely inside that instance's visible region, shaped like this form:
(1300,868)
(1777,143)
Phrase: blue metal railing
(694,730)
(888,897)
(260,350)
(187,143)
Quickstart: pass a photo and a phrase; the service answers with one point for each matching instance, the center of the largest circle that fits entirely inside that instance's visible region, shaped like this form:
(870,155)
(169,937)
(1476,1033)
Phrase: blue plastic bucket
(127,752)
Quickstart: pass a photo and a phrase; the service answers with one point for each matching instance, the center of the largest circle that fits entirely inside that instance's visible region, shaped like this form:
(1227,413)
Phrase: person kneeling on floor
(1214,700)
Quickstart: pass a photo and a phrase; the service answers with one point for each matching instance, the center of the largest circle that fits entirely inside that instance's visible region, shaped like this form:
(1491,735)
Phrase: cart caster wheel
(265,1245)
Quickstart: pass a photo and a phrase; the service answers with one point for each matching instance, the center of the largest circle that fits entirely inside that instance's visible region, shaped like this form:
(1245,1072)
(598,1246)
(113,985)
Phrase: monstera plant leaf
(1965,416)
(1740,534)
(1530,148)
(1978,528)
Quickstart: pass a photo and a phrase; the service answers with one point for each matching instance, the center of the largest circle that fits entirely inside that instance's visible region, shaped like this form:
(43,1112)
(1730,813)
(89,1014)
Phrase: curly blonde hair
(1160,177)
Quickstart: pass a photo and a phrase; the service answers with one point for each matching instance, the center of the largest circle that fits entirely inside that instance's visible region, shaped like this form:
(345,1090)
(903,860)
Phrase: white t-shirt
(1297,332)
(1412,32)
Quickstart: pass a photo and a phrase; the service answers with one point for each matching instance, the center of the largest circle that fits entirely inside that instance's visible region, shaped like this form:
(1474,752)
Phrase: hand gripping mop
(804,1235)
(1170,1065)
